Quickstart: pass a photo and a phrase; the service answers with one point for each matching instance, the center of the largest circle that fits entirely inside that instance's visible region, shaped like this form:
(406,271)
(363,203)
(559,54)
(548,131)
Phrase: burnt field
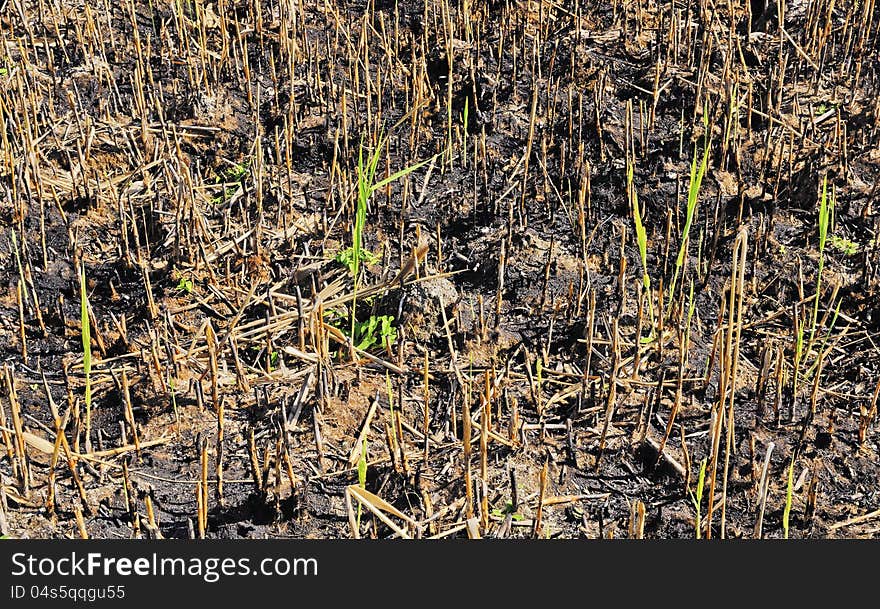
(439,268)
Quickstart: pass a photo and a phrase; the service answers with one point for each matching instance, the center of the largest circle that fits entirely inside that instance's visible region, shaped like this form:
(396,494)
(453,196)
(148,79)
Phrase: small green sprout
(786,513)
(366,186)
(236,173)
(347,256)
(539,368)
(826,212)
(844,245)
(798,355)
(235,176)
(697,499)
(507,509)
(185,285)
(696,180)
(377,329)
(642,239)
(641,234)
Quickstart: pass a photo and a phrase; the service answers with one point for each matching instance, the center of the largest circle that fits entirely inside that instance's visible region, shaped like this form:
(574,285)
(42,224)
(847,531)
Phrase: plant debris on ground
(416,268)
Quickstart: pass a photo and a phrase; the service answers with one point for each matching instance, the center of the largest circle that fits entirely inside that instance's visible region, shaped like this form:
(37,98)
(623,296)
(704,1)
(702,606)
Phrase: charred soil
(541,336)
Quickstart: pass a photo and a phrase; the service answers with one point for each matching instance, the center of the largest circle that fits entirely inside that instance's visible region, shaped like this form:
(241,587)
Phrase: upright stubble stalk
(87,350)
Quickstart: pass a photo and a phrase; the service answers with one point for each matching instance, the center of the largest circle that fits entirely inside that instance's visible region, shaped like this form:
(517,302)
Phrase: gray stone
(421,308)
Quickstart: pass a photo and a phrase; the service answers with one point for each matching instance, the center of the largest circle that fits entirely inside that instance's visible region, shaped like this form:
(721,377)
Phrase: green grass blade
(786,513)
(824,214)
(402,173)
(697,498)
(641,235)
(696,181)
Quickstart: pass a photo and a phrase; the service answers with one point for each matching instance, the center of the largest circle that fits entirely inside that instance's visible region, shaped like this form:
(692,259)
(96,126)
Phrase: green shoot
(697,499)
(234,176)
(366,172)
(346,258)
(402,173)
(845,246)
(642,239)
(641,234)
(826,208)
(236,173)
(507,509)
(798,354)
(788,493)
(185,285)
(696,181)
(87,347)
(366,186)
(224,196)
(377,329)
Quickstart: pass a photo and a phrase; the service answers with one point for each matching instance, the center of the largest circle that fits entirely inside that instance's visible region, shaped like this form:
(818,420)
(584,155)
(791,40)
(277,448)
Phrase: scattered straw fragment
(45,446)
(855,520)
